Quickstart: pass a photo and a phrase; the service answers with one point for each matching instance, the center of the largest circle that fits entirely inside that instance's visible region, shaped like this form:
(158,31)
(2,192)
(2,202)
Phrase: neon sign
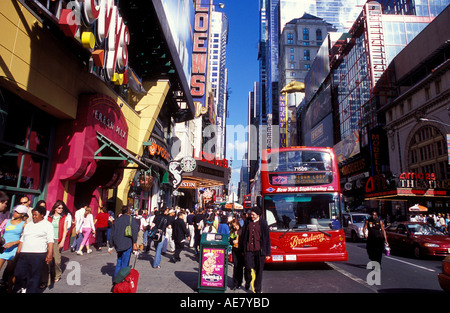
(111,33)
(108,46)
(200,56)
(211,159)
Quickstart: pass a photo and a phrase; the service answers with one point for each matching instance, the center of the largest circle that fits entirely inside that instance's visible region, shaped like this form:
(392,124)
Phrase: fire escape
(377,62)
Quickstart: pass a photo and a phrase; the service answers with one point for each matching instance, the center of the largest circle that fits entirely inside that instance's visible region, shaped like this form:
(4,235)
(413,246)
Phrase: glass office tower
(375,38)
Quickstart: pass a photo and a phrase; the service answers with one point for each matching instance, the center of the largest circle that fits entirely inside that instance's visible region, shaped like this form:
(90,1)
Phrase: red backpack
(129,284)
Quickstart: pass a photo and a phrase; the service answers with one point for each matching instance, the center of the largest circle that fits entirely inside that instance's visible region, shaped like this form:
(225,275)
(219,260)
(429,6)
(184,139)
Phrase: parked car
(444,277)
(421,239)
(354,224)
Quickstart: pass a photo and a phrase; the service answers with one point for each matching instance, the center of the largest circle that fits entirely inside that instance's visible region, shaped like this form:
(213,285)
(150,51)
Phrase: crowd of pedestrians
(33,239)
(439,220)
(179,228)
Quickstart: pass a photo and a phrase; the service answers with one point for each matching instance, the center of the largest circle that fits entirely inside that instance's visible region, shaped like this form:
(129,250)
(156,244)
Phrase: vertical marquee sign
(283,121)
(200,55)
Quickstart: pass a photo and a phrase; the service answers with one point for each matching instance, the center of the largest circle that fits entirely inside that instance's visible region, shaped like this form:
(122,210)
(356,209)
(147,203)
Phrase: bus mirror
(259,201)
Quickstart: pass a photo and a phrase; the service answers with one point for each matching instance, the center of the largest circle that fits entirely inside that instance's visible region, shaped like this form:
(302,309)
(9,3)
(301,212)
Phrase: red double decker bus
(299,193)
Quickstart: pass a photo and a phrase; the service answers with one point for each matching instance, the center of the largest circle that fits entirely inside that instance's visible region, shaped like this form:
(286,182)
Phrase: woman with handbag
(11,230)
(160,221)
(376,237)
(237,254)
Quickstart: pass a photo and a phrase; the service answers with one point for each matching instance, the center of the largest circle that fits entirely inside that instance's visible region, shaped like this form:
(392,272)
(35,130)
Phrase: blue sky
(242,65)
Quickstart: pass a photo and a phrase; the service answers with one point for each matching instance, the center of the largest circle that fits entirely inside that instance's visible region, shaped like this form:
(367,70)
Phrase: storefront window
(25,135)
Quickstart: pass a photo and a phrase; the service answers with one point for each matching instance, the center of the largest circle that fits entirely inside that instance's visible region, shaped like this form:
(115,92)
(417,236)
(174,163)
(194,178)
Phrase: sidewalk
(92,273)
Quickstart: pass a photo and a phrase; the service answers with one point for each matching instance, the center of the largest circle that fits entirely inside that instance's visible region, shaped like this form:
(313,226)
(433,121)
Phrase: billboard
(322,134)
(180,19)
(317,109)
(348,147)
(320,68)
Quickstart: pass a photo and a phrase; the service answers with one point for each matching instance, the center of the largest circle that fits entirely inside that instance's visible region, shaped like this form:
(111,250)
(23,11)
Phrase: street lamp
(429,120)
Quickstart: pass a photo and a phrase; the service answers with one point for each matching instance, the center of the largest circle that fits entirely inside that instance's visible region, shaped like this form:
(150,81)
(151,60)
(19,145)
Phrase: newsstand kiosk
(213,263)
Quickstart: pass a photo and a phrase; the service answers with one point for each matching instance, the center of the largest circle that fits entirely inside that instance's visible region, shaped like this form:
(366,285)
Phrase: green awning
(121,153)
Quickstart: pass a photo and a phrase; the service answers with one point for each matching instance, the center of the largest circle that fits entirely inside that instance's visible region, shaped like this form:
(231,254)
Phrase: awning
(121,153)
(234,205)
(164,167)
(399,194)
(418,208)
(208,175)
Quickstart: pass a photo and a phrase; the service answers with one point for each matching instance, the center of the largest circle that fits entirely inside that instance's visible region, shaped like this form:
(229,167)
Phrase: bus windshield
(299,161)
(315,212)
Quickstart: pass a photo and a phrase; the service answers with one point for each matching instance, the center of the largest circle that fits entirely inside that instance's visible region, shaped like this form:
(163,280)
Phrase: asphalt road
(328,285)
(398,274)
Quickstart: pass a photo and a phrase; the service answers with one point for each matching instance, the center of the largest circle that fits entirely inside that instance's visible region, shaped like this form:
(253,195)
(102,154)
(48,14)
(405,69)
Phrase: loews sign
(99,27)
(200,57)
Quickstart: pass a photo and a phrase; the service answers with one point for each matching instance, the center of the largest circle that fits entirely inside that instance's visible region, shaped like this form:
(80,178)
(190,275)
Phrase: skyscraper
(274,14)
(218,75)
(340,13)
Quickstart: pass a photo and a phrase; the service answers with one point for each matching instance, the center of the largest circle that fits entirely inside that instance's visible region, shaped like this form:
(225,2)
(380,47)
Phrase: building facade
(361,81)
(202,140)
(418,122)
(300,41)
(95,123)
(219,76)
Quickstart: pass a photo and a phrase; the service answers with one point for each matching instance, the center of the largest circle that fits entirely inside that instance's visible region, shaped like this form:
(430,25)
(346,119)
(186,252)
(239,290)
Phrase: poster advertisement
(213,267)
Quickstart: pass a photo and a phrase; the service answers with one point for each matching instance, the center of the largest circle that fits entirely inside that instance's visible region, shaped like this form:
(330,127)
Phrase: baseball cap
(21,209)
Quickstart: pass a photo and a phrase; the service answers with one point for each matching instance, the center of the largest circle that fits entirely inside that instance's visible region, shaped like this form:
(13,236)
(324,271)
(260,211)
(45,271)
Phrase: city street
(297,114)
(175,285)
(399,274)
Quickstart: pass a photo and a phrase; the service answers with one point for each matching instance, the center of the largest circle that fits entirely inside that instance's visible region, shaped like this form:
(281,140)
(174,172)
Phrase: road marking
(353,277)
(412,264)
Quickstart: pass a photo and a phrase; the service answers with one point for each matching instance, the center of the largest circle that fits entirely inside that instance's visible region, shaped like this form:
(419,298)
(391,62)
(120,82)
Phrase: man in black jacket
(179,235)
(256,244)
(122,243)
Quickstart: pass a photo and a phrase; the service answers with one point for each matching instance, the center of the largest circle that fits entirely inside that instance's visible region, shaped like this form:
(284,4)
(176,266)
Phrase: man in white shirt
(79,215)
(35,248)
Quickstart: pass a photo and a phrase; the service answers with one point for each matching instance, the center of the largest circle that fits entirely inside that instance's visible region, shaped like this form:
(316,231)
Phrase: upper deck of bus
(299,169)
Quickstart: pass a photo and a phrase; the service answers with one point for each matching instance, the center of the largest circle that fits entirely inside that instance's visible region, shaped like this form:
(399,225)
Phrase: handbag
(387,249)
(156,233)
(3,226)
(128,232)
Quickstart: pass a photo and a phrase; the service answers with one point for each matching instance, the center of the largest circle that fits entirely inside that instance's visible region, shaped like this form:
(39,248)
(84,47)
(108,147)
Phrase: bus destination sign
(300,179)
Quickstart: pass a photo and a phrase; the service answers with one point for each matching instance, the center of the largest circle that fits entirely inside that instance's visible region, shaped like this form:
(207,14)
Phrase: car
(420,239)
(354,224)
(444,276)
